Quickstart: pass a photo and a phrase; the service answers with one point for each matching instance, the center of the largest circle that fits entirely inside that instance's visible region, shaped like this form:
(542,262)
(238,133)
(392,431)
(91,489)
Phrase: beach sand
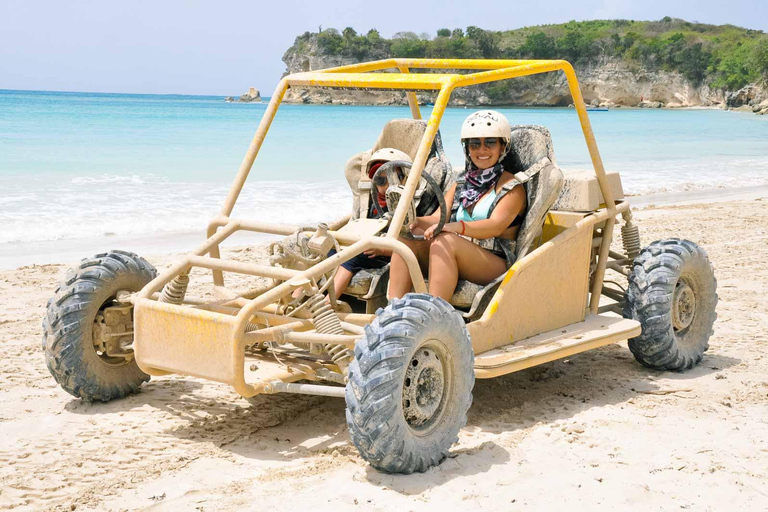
(595,432)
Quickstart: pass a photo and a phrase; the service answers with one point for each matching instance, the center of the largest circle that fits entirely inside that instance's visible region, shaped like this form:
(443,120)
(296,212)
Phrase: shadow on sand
(546,394)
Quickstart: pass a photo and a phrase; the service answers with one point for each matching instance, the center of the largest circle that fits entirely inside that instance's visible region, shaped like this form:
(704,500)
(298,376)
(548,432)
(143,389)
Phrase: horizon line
(3,89)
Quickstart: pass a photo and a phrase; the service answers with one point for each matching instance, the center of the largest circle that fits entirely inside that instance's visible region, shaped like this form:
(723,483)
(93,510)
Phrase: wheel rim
(683,306)
(104,358)
(425,387)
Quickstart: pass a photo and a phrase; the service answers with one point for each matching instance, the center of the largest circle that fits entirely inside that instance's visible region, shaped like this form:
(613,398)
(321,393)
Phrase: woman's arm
(502,216)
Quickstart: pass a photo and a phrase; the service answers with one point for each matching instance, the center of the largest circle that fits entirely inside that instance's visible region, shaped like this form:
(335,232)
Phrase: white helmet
(487,123)
(388,155)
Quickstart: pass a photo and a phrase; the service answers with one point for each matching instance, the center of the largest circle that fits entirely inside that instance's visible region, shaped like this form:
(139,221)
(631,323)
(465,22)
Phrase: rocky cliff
(752,98)
(609,82)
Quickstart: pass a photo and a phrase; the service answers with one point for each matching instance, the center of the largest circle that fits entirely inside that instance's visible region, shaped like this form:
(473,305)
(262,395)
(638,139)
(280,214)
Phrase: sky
(224,47)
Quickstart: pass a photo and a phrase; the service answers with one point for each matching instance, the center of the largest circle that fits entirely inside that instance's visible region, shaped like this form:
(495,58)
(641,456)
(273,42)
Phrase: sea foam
(76,166)
(111,206)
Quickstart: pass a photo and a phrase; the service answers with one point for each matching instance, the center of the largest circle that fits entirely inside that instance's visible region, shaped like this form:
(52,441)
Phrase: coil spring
(630,239)
(173,292)
(327,322)
(250,327)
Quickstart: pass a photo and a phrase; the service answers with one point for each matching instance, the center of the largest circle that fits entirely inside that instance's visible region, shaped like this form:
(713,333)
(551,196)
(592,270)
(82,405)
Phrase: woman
(488,207)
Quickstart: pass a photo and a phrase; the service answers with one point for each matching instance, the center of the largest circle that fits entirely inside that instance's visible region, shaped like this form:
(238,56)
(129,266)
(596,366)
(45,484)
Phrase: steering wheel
(395,192)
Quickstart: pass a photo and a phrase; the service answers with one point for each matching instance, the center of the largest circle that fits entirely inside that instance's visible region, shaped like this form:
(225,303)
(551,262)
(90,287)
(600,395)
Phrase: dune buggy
(405,367)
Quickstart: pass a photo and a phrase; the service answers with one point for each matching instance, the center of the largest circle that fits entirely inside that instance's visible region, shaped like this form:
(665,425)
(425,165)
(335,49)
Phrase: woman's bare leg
(399,278)
(452,257)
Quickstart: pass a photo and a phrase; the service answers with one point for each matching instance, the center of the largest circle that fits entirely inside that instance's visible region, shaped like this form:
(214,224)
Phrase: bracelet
(463,227)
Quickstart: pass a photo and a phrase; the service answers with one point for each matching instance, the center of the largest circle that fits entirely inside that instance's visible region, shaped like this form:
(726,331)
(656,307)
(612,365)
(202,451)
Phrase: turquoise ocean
(78,166)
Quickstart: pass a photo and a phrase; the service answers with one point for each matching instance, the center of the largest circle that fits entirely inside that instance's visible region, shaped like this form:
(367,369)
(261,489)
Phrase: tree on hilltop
(724,56)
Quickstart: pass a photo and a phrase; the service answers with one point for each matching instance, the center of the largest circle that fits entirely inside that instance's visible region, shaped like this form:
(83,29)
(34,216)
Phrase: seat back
(405,135)
(532,159)
(530,143)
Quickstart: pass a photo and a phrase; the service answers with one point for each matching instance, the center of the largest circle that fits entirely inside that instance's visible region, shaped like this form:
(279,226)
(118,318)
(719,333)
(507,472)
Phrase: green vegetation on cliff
(726,56)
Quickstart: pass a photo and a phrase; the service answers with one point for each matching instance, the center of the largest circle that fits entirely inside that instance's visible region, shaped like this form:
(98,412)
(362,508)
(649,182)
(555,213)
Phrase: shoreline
(701,196)
(70,251)
(265,101)
(23,254)
(743,109)
(493,105)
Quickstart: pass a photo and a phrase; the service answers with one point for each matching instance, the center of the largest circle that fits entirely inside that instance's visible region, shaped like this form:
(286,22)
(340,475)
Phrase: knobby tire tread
(374,391)
(66,338)
(655,272)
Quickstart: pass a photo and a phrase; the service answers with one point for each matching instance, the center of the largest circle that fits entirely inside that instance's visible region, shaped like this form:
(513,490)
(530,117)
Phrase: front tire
(410,385)
(68,326)
(673,294)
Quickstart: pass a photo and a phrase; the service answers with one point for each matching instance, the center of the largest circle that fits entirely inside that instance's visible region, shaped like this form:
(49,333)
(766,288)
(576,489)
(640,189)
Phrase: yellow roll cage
(369,75)
(209,340)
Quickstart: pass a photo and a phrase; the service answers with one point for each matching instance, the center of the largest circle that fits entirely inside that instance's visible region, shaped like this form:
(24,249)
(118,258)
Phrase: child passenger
(372,258)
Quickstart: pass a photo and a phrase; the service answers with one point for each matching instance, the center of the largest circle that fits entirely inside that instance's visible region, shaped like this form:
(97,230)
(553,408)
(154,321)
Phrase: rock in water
(252,95)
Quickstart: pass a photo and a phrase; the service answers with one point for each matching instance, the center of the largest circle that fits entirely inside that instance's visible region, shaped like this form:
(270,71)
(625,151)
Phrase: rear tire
(673,294)
(410,385)
(68,327)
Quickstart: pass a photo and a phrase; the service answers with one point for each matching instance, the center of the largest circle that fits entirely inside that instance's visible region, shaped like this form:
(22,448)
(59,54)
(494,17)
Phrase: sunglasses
(490,142)
(382,180)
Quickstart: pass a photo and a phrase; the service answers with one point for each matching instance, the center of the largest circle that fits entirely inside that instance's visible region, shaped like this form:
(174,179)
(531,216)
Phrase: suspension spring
(630,238)
(327,322)
(251,327)
(173,292)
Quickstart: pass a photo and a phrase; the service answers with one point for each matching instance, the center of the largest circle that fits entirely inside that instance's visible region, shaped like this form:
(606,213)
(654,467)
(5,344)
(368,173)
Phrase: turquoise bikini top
(480,212)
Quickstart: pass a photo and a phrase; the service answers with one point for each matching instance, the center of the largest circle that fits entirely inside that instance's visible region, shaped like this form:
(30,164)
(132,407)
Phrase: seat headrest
(402,134)
(405,135)
(530,143)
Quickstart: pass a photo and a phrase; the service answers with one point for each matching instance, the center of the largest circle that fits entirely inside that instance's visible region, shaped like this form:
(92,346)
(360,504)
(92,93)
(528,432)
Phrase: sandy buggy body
(405,368)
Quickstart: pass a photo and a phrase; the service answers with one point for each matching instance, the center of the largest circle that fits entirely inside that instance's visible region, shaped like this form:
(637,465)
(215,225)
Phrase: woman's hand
(451,227)
(429,233)
(419,225)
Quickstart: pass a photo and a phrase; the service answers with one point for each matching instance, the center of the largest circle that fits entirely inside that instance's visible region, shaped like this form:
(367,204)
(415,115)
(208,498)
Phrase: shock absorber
(327,322)
(173,292)
(630,236)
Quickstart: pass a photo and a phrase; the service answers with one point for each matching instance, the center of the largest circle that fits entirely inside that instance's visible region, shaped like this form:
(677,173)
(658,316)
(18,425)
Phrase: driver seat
(405,135)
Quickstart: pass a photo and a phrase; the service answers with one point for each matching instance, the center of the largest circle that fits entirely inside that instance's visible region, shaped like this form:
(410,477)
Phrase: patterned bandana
(478,182)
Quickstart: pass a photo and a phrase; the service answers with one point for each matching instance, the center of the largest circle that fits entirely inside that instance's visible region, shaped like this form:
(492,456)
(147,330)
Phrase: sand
(594,432)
